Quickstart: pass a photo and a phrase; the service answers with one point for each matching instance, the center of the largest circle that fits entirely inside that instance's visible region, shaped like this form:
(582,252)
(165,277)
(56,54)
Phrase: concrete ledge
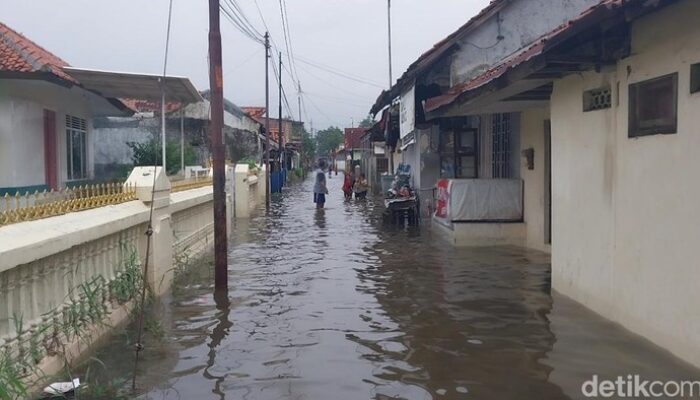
(29,241)
(189,198)
(481,234)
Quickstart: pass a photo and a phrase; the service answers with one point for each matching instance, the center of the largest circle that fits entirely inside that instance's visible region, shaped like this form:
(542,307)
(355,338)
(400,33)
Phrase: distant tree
(308,148)
(368,122)
(328,140)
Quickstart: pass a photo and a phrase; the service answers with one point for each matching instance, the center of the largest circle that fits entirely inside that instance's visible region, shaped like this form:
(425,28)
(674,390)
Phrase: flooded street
(333,304)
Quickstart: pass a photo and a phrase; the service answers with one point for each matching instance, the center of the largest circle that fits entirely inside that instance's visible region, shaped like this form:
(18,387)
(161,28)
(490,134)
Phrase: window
(695,78)
(653,106)
(76,147)
(466,154)
(501,130)
(597,99)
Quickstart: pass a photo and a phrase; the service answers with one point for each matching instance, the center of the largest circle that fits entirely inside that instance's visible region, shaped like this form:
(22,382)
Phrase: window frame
(76,126)
(666,127)
(694,78)
(501,152)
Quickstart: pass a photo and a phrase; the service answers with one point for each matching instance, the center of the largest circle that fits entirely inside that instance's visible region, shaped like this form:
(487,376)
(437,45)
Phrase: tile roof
(20,55)
(427,59)
(353,137)
(539,47)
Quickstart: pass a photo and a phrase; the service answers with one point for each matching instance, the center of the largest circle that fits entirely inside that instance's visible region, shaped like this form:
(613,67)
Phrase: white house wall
(532,131)
(522,21)
(22,129)
(626,220)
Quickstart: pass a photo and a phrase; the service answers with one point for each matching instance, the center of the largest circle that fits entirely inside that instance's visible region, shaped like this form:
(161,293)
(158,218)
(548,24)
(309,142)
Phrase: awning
(135,86)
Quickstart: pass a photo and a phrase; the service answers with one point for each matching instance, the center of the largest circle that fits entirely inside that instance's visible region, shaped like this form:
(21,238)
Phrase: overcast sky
(349,36)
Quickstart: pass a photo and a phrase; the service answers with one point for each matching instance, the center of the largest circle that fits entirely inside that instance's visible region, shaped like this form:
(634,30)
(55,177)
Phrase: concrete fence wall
(79,270)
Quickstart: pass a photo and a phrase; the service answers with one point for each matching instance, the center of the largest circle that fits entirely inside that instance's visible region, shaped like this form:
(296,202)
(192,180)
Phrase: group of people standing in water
(355,182)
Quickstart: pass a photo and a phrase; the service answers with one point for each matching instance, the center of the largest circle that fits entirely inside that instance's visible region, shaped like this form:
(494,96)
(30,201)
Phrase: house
(46,131)
(477,156)
(608,106)
(292,132)
(186,124)
(353,145)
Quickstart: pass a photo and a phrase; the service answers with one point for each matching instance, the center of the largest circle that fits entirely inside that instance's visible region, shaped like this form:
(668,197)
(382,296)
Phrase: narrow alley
(333,304)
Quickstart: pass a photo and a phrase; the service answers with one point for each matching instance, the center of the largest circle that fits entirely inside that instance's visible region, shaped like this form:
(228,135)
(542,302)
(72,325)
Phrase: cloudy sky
(331,40)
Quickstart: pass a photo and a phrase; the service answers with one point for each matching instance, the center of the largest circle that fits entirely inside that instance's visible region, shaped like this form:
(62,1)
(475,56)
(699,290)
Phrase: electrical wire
(149,230)
(338,72)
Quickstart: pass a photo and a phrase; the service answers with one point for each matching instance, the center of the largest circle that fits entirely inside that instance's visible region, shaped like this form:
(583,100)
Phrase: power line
(339,73)
(359,96)
(235,15)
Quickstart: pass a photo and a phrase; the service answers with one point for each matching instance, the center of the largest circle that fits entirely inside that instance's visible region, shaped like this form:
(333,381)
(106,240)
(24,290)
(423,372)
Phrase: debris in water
(474,341)
(62,388)
(441,392)
(461,389)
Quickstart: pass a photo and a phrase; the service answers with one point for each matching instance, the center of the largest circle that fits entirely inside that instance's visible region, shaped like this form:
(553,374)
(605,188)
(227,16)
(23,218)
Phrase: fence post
(160,273)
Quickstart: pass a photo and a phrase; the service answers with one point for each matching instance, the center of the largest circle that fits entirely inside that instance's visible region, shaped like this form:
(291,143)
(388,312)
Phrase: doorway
(50,154)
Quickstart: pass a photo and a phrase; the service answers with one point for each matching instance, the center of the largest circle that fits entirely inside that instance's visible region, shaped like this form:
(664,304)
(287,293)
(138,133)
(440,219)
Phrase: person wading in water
(320,189)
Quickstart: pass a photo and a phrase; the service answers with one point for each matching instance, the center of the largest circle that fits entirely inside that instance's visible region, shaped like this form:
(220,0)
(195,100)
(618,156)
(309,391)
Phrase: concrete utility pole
(391,77)
(182,139)
(299,100)
(216,81)
(279,134)
(267,120)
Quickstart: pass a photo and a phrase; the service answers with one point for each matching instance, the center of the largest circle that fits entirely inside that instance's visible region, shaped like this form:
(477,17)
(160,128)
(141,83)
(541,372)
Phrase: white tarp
(407,112)
(486,200)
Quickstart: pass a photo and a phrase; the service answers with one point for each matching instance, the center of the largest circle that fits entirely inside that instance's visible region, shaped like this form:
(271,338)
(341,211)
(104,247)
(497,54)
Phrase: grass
(87,307)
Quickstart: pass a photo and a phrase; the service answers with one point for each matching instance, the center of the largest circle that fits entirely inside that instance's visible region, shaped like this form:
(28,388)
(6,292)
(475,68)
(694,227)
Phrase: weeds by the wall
(85,307)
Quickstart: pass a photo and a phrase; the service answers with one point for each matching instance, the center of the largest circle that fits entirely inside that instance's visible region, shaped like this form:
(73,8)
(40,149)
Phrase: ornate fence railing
(188,184)
(31,206)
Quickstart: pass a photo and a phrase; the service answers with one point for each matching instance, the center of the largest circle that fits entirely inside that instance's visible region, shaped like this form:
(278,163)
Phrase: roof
(588,19)
(430,57)
(135,85)
(20,55)
(255,112)
(353,137)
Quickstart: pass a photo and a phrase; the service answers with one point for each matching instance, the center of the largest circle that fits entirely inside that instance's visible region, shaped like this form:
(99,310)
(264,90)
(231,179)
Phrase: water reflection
(332,303)
(218,334)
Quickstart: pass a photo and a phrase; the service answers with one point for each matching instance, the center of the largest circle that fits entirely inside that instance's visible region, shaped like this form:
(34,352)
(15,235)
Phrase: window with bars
(76,147)
(501,133)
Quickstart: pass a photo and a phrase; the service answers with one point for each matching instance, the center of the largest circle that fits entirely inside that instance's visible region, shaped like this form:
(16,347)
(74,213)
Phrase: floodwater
(335,305)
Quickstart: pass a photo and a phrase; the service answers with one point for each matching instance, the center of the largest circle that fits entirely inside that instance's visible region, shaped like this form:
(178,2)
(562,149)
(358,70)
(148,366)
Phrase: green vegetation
(87,306)
(328,140)
(149,153)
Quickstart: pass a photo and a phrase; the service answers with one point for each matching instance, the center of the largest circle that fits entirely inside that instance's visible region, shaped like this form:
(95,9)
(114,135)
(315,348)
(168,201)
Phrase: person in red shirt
(348,184)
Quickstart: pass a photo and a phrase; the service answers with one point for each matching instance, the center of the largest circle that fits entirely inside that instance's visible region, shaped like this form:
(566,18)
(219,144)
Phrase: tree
(328,140)
(368,122)
(308,148)
(149,153)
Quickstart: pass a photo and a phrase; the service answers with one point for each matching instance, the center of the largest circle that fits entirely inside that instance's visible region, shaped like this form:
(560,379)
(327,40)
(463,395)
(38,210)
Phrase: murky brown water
(334,305)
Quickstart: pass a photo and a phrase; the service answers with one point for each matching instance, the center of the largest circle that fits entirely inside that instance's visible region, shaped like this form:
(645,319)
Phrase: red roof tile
(539,47)
(353,137)
(19,54)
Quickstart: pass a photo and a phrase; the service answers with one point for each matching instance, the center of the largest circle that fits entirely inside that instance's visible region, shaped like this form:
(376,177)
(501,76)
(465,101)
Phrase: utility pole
(162,127)
(267,120)
(216,81)
(279,135)
(182,139)
(299,100)
(391,78)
